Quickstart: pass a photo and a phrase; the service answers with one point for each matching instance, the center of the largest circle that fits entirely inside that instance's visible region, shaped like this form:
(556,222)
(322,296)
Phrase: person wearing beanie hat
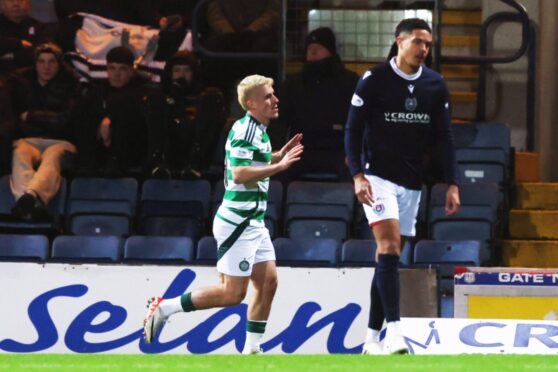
(318,39)
(315,102)
(122,55)
(120,66)
(196,116)
(43,97)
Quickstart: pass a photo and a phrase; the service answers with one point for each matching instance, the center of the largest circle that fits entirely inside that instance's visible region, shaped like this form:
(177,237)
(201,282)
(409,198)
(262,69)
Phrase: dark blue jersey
(393,118)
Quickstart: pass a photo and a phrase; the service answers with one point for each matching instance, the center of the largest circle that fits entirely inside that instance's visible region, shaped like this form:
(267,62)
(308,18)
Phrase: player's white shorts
(238,253)
(392,201)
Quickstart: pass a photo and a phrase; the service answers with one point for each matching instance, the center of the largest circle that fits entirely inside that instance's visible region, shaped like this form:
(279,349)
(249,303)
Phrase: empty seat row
(320,252)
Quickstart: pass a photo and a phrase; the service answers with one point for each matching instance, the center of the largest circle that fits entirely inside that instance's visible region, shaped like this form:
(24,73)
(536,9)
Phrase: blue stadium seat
(23,247)
(274,204)
(461,230)
(483,152)
(479,217)
(101,206)
(87,248)
(306,252)
(464,252)
(10,225)
(356,252)
(207,250)
(362,252)
(445,256)
(159,248)
(319,210)
(483,136)
(174,207)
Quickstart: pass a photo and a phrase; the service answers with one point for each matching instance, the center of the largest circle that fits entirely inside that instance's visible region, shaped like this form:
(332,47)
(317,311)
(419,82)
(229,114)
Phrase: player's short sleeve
(241,152)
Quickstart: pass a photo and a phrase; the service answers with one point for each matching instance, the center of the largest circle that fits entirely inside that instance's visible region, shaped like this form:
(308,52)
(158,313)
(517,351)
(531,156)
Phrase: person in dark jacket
(19,34)
(42,99)
(196,116)
(117,121)
(316,102)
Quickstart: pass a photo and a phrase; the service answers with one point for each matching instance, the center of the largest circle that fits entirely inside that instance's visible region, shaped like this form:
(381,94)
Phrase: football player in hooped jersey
(397,110)
(245,252)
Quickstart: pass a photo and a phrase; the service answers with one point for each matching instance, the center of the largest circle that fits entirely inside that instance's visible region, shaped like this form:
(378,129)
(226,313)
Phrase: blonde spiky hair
(247,85)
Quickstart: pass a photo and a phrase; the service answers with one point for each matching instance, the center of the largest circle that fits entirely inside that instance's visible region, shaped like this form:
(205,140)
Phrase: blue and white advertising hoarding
(60,308)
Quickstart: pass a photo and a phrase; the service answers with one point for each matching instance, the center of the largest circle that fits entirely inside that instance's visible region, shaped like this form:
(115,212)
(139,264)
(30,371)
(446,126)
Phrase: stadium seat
(48,227)
(483,136)
(356,252)
(159,248)
(23,247)
(101,206)
(479,217)
(461,230)
(274,210)
(306,252)
(483,152)
(87,248)
(464,252)
(445,256)
(318,210)
(362,252)
(174,207)
(207,251)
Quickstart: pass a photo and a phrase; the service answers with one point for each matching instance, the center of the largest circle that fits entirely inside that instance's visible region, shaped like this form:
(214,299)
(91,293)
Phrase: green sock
(255,326)
(186,302)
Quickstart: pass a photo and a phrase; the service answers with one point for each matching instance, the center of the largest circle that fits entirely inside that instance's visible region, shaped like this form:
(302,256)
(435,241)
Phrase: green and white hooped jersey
(247,144)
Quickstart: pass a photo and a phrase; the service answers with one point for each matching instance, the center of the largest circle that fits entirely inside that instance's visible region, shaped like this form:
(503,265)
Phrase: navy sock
(387,273)
(376,316)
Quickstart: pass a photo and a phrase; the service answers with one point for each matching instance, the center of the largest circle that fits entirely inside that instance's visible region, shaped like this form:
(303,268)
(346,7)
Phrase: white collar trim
(405,76)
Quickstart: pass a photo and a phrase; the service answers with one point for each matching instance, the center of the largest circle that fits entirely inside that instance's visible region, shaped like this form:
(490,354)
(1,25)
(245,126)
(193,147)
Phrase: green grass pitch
(130,363)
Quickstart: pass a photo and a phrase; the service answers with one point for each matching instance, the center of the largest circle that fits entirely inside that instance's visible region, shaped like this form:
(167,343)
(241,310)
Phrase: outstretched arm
(248,173)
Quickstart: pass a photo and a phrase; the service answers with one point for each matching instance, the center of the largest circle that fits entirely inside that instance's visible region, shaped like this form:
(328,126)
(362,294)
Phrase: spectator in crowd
(19,34)
(117,121)
(316,102)
(42,98)
(6,130)
(244,26)
(196,116)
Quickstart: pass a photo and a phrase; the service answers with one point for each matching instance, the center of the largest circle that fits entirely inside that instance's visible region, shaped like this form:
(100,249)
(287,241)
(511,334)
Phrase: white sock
(394,327)
(253,340)
(372,335)
(171,306)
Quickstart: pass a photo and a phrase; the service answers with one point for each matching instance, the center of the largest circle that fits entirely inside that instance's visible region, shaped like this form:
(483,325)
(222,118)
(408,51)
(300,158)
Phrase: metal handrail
(525,37)
(531,72)
(235,56)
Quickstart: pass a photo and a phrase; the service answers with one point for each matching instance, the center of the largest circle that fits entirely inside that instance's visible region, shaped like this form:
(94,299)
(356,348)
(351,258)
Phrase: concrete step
(530,253)
(453,41)
(467,17)
(463,97)
(529,224)
(460,72)
(527,167)
(463,4)
(537,195)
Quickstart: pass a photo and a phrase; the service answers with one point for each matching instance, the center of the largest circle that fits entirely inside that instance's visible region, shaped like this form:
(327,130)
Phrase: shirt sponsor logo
(240,153)
(357,101)
(407,117)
